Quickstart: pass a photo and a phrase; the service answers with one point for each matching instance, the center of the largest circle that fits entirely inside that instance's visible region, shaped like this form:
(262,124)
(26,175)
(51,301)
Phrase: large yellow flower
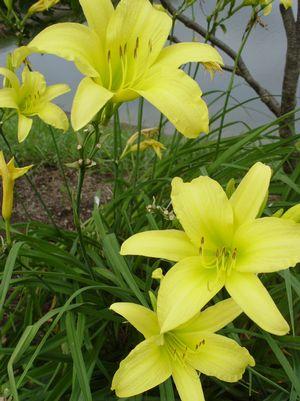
(223,243)
(180,352)
(32,98)
(121,54)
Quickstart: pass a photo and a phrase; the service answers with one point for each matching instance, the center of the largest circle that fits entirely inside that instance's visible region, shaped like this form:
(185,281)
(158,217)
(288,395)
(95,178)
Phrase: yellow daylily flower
(32,98)
(180,352)
(157,146)
(9,173)
(287,3)
(42,5)
(121,54)
(268,4)
(224,243)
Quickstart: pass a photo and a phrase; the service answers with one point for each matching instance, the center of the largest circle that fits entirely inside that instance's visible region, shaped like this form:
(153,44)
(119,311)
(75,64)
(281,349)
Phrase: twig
(243,70)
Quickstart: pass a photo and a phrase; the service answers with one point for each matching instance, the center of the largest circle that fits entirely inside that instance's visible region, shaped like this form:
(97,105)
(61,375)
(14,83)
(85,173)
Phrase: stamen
(136,47)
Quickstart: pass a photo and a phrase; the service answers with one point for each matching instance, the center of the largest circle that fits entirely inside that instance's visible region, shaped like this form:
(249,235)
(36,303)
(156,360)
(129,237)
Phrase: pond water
(264,55)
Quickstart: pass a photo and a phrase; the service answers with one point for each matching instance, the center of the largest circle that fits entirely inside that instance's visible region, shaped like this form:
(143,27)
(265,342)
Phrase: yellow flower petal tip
(181,352)
(31,98)
(133,63)
(42,5)
(223,242)
(9,173)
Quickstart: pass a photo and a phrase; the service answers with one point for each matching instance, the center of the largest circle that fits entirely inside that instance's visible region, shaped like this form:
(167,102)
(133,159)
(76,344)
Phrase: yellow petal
(178,97)
(33,82)
(24,127)
(73,42)
(98,14)
(185,289)
(53,115)
(204,211)
(247,199)
(166,244)
(221,357)
(12,78)
(41,5)
(143,29)
(268,9)
(4,172)
(8,98)
(143,319)
(293,213)
(19,55)
(181,53)
(187,383)
(54,91)
(145,367)
(89,99)
(267,245)
(213,318)
(247,291)
(17,172)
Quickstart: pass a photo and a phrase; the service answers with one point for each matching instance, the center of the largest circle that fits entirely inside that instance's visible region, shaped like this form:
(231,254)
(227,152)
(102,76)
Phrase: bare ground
(51,187)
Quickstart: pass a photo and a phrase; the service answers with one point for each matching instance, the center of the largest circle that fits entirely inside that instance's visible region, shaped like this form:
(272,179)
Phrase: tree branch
(243,70)
(292,68)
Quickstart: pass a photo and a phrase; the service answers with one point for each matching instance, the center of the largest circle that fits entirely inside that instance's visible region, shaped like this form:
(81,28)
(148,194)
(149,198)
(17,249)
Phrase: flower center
(126,66)
(178,350)
(223,258)
(30,102)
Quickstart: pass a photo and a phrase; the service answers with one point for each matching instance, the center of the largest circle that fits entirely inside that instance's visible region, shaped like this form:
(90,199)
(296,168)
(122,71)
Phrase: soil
(51,187)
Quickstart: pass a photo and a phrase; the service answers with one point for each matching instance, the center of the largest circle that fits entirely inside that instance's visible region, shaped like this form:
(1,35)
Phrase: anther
(108,56)
(136,47)
(150,45)
(234,253)
(121,51)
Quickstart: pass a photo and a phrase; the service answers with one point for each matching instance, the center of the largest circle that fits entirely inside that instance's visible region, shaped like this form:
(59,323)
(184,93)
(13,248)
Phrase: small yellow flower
(181,352)
(41,5)
(32,98)
(121,54)
(149,143)
(9,173)
(224,242)
(287,3)
(268,4)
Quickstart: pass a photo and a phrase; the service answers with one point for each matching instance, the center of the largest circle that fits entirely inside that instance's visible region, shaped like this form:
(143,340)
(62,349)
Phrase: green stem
(77,209)
(60,164)
(138,156)
(7,231)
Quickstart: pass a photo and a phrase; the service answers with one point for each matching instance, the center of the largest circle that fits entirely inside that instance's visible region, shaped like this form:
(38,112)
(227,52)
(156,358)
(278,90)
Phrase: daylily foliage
(180,352)
(224,243)
(121,54)
(32,98)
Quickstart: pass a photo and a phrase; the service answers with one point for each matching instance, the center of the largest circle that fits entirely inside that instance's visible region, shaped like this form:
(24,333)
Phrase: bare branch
(292,69)
(243,70)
